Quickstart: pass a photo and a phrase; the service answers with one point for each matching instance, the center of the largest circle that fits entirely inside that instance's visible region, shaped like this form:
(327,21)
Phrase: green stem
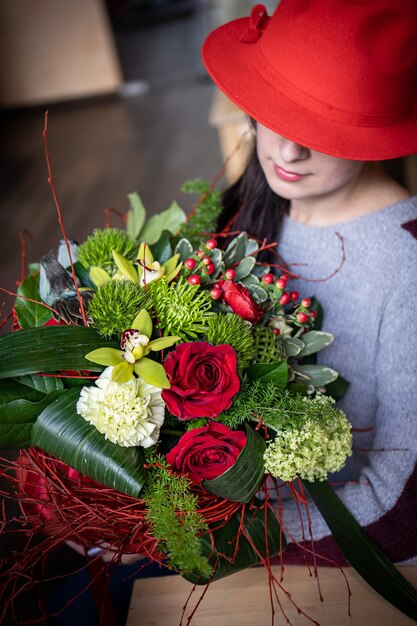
(172,431)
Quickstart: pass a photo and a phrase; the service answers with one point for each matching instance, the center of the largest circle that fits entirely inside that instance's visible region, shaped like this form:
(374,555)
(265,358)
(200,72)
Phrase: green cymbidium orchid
(136,344)
(147,268)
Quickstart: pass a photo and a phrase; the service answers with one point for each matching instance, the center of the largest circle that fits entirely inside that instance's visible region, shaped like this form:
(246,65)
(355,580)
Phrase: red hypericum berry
(306,302)
(190,264)
(284,277)
(230,274)
(210,268)
(285,298)
(216,293)
(276,331)
(294,295)
(201,254)
(211,244)
(194,279)
(302,317)
(281,284)
(268,279)
(206,260)
(313,314)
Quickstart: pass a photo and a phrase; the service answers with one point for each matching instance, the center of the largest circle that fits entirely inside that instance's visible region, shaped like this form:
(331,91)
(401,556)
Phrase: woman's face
(298,173)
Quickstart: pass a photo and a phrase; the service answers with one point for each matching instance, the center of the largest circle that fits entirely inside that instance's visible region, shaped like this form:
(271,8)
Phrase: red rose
(205,453)
(203,380)
(241,302)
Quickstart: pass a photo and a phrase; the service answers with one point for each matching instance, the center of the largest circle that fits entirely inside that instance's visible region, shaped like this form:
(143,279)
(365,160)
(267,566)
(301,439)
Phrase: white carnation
(128,414)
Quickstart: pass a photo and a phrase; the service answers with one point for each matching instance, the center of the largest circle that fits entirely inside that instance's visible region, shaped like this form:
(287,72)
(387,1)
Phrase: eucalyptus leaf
(260,526)
(292,346)
(61,432)
(184,249)
(242,480)
(318,375)
(235,251)
(252,246)
(276,373)
(361,551)
(49,349)
(30,314)
(314,341)
(136,215)
(245,267)
(258,293)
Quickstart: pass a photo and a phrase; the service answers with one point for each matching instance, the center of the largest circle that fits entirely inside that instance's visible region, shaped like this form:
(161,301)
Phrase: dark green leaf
(17,419)
(30,314)
(49,349)
(241,481)
(60,431)
(268,543)
(83,275)
(11,390)
(361,552)
(338,387)
(162,249)
(276,373)
(44,384)
(316,306)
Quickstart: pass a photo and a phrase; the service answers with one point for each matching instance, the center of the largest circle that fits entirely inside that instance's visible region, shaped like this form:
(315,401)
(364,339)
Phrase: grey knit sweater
(370,307)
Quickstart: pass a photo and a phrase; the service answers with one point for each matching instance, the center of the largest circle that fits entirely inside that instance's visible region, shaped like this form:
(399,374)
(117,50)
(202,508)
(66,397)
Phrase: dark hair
(251,205)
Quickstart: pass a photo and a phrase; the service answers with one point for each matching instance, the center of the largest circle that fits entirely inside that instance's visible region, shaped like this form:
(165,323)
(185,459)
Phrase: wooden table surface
(243,599)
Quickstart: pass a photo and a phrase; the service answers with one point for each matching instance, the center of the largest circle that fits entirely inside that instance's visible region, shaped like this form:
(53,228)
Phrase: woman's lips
(291,177)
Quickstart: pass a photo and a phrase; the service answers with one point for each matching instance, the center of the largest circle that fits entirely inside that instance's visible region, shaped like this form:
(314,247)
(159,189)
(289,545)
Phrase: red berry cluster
(301,313)
(202,266)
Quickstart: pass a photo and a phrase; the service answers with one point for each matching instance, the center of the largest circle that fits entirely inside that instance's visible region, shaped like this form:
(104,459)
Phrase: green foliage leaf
(48,349)
(276,373)
(257,292)
(242,480)
(293,346)
(60,431)
(162,249)
(338,388)
(314,341)
(136,215)
(264,532)
(30,314)
(11,390)
(171,220)
(361,552)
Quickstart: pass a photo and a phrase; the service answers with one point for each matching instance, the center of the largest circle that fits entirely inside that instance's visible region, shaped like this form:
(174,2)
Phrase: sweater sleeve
(384,500)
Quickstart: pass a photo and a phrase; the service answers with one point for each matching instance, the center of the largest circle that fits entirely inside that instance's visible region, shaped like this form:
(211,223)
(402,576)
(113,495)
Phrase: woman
(332,87)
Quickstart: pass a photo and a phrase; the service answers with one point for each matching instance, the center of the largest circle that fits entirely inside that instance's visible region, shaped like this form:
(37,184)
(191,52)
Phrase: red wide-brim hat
(337,76)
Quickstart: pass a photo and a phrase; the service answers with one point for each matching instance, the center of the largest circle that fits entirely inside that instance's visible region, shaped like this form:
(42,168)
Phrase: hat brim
(232,65)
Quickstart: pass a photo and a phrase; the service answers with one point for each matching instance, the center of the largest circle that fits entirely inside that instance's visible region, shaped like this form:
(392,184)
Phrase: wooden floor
(103,149)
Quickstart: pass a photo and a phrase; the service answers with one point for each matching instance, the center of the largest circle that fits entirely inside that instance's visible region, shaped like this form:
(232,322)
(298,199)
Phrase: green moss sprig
(178,535)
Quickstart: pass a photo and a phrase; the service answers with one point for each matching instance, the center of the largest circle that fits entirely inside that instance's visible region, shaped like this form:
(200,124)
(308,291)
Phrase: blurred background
(131,108)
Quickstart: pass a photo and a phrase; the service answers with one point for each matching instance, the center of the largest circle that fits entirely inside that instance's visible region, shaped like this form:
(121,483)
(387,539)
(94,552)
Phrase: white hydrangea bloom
(128,414)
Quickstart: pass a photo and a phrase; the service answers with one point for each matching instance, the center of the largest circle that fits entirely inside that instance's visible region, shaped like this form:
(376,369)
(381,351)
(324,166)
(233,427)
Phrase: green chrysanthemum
(115,305)
(97,249)
(267,346)
(312,448)
(182,309)
(233,330)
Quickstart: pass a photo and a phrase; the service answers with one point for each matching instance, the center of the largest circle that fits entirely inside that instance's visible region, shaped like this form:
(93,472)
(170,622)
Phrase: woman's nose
(292,151)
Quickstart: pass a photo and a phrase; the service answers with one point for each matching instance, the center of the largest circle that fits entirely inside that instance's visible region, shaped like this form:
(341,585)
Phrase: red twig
(61,223)
(17,295)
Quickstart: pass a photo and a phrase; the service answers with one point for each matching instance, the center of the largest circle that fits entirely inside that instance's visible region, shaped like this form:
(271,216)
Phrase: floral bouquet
(162,386)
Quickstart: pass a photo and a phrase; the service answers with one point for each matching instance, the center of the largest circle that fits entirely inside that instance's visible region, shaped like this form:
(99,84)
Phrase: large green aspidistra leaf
(241,481)
(49,349)
(61,432)
(361,551)
(264,532)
